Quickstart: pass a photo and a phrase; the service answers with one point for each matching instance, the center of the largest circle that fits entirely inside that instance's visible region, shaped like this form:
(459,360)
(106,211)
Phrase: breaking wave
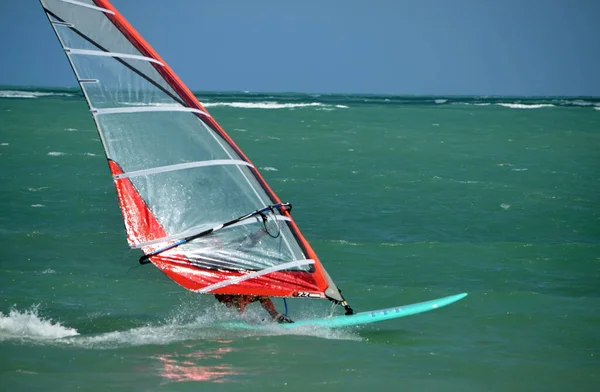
(525,106)
(263,105)
(32,94)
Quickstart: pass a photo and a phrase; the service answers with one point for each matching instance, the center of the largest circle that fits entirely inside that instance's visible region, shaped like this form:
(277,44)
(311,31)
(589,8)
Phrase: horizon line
(439,95)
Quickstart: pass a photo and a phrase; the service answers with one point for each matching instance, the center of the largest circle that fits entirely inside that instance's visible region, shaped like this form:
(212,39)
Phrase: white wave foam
(597,108)
(579,102)
(268,168)
(3,144)
(71,129)
(56,153)
(264,105)
(161,104)
(90,154)
(37,189)
(30,325)
(344,242)
(29,94)
(37,205)
(525,106)
(48,271)
(505,206)
(465,181)
(212,325)
(439,101)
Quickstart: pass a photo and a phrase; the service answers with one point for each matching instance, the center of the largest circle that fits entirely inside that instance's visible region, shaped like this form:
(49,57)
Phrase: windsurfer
(241,301)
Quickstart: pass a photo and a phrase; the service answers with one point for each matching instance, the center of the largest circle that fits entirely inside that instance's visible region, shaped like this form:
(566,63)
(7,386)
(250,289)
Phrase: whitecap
(263,105)
(579,102)
(56,153)
(268,168)
(525,106)
(344,242)
(29,94)
(37,205)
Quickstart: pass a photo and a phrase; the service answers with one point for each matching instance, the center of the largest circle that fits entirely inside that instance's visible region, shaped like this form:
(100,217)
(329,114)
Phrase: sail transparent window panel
(199,197)
(246,247)
(145,140)
(118,85)
(70,39)
(98,28)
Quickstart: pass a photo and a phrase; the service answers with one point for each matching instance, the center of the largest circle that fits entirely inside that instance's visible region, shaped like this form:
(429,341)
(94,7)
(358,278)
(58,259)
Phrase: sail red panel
(140,222)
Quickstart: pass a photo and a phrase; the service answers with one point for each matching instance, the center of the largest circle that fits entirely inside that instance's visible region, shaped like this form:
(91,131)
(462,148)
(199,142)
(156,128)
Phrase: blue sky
(463,47)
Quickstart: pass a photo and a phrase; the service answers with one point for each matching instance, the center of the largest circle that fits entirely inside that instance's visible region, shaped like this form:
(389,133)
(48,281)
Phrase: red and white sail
(176,171)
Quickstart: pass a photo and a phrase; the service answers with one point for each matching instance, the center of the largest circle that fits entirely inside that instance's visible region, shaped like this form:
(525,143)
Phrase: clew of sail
(177,173)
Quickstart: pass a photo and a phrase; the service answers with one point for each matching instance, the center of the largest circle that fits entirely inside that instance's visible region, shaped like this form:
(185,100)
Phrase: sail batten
(181,166)
(111,54)
(93,7)
(137,109)
(176,171)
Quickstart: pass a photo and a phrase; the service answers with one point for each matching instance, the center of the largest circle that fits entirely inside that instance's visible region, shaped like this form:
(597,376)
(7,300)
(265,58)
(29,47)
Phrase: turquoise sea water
(405,199)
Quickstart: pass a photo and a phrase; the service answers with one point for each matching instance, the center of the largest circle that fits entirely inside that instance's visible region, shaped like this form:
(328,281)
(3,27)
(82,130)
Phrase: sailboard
(373,316)
(191,200)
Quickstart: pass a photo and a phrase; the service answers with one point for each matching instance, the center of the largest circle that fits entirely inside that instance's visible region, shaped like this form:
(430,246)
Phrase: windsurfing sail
(191,200)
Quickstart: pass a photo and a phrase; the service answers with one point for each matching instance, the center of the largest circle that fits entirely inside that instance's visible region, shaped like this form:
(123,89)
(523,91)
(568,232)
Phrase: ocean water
(405,199)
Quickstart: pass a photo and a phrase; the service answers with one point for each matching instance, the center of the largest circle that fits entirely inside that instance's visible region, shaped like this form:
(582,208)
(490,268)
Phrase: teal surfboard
(373,316)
